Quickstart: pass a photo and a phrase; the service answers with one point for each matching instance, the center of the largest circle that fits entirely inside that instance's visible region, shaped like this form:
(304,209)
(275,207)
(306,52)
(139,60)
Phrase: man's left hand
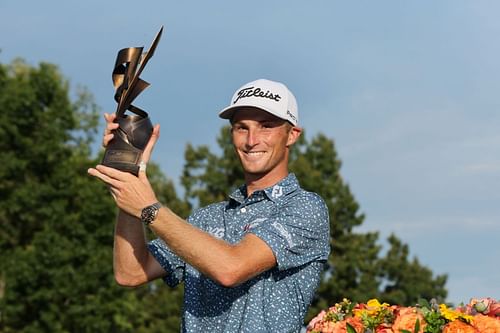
(131,193)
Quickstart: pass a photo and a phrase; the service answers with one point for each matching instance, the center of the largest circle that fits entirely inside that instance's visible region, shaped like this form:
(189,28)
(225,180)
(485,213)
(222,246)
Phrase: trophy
(124,151)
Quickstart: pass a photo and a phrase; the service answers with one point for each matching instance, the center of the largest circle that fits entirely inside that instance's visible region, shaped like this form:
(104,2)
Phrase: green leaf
(350,329)
(417,326)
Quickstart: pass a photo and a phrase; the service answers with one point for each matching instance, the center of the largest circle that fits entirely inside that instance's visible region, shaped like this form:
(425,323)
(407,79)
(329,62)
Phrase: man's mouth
(254,155)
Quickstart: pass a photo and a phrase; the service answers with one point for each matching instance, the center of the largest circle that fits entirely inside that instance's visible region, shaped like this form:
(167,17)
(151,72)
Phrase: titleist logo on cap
(256,92)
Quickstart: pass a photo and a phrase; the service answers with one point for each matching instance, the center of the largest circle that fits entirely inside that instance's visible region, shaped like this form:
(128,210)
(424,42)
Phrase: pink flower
(488,306)
(316,321)
(494,310)
(317,324)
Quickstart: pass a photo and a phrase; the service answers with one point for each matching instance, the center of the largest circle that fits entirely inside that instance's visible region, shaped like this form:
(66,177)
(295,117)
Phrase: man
(249,264)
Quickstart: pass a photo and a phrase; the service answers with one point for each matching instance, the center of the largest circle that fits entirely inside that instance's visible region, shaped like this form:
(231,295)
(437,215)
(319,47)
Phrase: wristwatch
(149,213)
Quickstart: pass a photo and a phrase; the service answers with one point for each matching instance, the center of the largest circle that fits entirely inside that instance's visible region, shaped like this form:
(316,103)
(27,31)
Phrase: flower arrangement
(479,316)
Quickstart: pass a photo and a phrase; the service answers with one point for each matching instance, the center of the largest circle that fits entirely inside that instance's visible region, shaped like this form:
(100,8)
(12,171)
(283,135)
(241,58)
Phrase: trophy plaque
(124,151)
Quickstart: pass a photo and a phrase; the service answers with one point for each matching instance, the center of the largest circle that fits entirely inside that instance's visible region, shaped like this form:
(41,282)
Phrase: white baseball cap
(273,97)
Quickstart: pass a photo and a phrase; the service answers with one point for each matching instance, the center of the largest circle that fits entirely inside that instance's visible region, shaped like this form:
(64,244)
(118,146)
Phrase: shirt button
(243,210)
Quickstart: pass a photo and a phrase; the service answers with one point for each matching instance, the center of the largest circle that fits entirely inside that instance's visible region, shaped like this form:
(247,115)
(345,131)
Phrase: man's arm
(132,262)
(227,264)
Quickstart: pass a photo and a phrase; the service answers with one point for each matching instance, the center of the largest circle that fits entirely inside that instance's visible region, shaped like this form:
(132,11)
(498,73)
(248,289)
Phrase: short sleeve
(298,233)
(171,263)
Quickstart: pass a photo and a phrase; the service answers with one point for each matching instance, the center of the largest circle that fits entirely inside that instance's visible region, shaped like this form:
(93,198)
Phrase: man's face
(261,141)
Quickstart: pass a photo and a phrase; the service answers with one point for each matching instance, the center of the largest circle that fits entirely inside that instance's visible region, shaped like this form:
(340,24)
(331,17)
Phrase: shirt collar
(273,193)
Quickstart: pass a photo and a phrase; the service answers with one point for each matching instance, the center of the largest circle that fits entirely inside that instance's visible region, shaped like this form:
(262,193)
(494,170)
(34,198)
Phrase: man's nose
(252,137)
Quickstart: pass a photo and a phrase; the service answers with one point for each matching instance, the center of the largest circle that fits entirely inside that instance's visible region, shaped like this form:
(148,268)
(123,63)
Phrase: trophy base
(123,160)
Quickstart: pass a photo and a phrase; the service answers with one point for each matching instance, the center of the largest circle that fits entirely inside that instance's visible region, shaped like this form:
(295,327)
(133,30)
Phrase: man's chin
(254,174)
(253,168)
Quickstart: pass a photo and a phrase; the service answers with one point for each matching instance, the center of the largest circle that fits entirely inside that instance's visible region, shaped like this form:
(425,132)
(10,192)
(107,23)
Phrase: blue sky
(408,90)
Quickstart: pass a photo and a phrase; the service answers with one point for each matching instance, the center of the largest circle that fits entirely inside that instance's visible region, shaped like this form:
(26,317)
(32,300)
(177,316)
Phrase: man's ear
(293,135)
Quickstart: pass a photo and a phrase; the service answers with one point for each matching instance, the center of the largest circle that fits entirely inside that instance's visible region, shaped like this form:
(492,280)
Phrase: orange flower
(485,324)
(341,327)
(406,320)
(325,327)
(382,329)
(458,326)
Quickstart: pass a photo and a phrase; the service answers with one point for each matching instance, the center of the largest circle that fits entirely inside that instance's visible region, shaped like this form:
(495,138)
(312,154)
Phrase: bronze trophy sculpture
(124,151)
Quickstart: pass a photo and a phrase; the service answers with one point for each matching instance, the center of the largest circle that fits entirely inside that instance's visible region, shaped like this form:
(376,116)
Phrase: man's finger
(110,127)
(110,123)
(142,171)
(108,130)
(106,138)
(109,117)
(142,166)
(111,182)
(113,173)
(112,191)
(146,154)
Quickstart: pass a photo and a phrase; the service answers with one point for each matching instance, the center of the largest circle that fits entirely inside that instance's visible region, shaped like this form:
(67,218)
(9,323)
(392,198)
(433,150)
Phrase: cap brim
(228,112)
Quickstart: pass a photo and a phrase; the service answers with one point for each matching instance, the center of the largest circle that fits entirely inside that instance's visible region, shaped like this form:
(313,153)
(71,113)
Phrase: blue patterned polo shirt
(295,225)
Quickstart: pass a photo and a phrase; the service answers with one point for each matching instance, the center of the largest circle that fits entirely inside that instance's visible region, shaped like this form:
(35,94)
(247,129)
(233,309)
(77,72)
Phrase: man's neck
(256,182)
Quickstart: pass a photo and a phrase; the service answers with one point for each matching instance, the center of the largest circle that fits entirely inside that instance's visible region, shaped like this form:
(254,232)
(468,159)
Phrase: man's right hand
(112,125)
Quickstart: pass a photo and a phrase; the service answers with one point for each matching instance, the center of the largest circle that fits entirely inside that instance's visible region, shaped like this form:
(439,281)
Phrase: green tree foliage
(57,223)
(35,137)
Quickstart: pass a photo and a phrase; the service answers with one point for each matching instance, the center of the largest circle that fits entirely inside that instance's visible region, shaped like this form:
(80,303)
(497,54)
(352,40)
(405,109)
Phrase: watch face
(148,214)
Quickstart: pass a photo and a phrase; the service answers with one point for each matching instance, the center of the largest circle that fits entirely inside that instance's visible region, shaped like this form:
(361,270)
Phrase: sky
(407,90)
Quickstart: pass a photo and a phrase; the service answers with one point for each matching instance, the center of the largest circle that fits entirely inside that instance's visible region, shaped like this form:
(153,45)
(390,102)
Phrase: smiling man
(249,264)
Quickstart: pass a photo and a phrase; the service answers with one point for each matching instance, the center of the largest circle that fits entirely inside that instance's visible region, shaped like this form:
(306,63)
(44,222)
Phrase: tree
(57,222)
(54,218)
(35,136)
